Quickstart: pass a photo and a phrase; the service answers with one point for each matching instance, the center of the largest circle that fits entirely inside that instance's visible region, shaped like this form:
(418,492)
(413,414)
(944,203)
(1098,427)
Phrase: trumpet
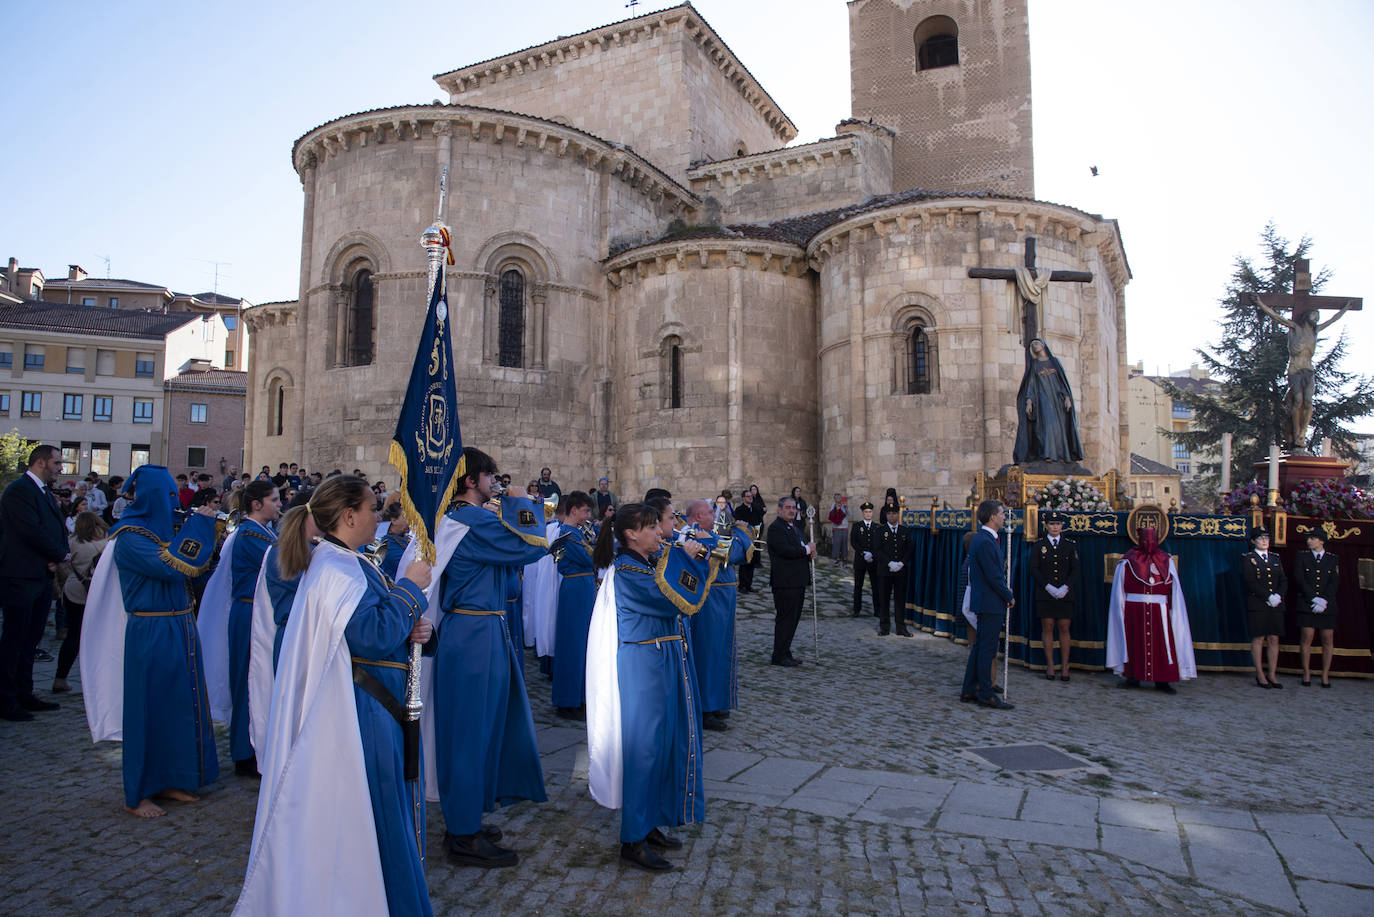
(584,532)
(498,490)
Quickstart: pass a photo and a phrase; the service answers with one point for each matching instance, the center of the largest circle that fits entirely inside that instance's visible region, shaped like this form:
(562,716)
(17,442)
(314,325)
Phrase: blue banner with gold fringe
(428,446)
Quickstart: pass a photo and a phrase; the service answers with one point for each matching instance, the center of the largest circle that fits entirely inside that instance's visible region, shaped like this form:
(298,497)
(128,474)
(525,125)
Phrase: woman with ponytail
(334,760)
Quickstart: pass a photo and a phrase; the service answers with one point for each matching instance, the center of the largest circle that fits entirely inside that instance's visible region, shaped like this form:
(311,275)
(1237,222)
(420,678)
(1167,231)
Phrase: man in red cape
(1148,638)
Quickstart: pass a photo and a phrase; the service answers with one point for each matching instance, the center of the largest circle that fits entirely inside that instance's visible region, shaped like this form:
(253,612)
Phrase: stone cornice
(268,314)
(759,254)
(775,163)
(1033,217)
(573,47)
(390,125)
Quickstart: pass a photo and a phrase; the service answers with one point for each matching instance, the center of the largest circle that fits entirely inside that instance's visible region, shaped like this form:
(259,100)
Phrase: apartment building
(1151,411)
(203,420)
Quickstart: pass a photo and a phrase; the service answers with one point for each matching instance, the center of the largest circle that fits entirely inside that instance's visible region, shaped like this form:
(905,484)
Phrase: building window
(937,43)
(358,350)
(76,360)
(1180,451)
(71,458)
(100,458)
(671,351)
(104,362)
(32,405)
(5,404)
(143,410)
(34,356)
(228,358)
(71,407)
(917,361)
(511,323)
(114,302)
(138,455)
(230,321)
(6,357)
(88,300)
(103,409)
(143,365)
(276,406)
(198,413)
(195,456)
(1183,468)
(1182,410)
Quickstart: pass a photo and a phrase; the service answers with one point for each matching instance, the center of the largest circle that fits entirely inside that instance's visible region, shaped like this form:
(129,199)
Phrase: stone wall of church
(965,127)
(743,315)
(836,172)
(662,84)
(881,272)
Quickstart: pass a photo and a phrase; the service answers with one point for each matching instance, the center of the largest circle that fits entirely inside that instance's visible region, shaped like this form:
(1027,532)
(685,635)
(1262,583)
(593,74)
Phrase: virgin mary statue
(1047,426)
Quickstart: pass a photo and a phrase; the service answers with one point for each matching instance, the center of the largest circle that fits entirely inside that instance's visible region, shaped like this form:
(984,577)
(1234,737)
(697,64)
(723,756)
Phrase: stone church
(652,285)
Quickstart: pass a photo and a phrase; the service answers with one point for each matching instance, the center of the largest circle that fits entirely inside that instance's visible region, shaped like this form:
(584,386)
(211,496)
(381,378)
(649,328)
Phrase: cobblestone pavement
(843,787)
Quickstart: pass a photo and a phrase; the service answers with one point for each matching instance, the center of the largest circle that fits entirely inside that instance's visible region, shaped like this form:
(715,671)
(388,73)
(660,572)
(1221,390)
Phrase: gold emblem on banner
(1147,516)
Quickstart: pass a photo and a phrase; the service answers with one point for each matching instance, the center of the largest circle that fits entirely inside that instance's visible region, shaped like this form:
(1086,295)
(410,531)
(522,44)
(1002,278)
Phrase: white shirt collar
(37,480)
(989,530)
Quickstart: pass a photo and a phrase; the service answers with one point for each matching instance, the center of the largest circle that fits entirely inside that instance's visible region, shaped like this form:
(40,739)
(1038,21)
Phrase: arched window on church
(276,406)
(359,317)
(671,372)
(917,361)
(937,43)
(915,358)
(511,323)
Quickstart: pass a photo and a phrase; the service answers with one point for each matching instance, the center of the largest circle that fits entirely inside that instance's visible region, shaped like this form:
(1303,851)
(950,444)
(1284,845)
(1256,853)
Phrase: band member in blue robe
(713,629)
(644,739)
(282,591)
(335,757)
(260,505)
(576,594)
(485,749)
(169,748)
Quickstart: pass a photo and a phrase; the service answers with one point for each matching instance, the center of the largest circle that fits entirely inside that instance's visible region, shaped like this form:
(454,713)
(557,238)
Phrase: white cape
(102,650)
(540,604)
(446,540)
(212,622)
(260,679)
(1118,654)
(314,838)
(605,756)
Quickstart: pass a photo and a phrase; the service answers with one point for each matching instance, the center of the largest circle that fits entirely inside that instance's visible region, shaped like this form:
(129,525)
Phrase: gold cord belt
(655,641)
(381,662)
(575,575)
(470,611)
(249,601)
(160,614)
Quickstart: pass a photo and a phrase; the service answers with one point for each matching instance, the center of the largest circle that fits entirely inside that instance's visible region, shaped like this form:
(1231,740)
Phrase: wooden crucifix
(1302,343)
(1029,308)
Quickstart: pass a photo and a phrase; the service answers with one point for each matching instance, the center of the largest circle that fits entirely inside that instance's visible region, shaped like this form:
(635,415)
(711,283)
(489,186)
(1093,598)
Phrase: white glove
(1274,600)
(1063,591)
(1052,590)
(894,565)
(868,556)
(1319,605)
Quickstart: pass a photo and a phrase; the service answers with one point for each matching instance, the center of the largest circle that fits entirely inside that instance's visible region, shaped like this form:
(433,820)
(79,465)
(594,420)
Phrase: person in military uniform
(1054,566)
(892,546)
(1318,579)
(1265,585)
(861,540)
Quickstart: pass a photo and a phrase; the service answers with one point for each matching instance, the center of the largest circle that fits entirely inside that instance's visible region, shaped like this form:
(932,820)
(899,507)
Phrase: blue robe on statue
(576,596)
(713,631)
(168,743)
(378,640)
(250,545)
(282,592)
(659,711)
(484,732)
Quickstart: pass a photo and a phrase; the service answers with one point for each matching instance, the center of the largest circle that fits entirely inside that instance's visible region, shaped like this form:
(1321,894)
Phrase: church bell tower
(952,78)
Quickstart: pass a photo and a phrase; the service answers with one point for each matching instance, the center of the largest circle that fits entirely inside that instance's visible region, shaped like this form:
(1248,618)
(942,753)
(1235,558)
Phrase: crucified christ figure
(1302,349)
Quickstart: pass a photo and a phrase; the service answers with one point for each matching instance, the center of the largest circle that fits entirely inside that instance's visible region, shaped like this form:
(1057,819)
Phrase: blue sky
(159,134)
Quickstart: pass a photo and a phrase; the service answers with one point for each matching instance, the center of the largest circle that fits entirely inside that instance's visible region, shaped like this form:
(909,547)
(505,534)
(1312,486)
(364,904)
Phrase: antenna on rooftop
(106,259)
(218,265)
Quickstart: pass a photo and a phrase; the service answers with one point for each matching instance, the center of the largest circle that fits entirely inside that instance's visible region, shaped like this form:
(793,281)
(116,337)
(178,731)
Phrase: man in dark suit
(990,599)
(33,540)
(1054,566)
(1318,578)
(861,539)
(893,545)
(788,555)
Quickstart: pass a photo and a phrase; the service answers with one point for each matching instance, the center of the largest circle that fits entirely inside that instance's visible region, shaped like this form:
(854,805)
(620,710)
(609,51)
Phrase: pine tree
(1251,362)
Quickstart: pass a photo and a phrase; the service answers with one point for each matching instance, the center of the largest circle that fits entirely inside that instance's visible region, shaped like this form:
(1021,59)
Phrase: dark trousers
(26,603)
(788,601)
(889,595)
(862,567)
(978,670)
(72,642)
(746,577)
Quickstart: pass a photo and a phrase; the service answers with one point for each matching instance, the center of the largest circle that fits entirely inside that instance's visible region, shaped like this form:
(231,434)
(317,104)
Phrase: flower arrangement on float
(1330,499)
(1071,495)
(1238,500)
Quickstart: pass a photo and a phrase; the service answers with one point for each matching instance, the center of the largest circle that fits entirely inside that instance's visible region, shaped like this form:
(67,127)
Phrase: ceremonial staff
(1006,625)
(815,618)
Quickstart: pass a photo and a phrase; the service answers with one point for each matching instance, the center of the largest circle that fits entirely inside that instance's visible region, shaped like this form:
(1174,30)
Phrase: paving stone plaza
(846,787)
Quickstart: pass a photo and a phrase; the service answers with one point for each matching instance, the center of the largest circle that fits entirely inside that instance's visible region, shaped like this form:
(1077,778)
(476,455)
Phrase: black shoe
(996,704)
(640,855)
(788,661)
(572,713)
(42,656)
(33,704)
(663,840)
(491,833)
(967,697)
(1049,675)
(712,722)
(1128,683)
(854,614)
(476,850)
(1262,684)
(882,633)
(998,689)
(1165,687)
(1273,684)
(248,767)
(1307,682)
(903,632)
(16,715)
